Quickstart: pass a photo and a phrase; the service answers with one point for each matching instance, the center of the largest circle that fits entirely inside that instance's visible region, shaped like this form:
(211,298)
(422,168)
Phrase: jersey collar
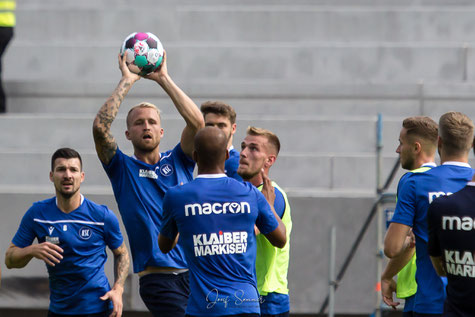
(211,175)
(461,164)
(471,184)
(82,200)
(429,164)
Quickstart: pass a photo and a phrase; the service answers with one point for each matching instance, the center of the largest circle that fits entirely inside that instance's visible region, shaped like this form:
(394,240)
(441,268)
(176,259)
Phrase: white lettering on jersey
(457,223)
(434,195)
(220,243)
(460,263)
(217,208)
(147,173)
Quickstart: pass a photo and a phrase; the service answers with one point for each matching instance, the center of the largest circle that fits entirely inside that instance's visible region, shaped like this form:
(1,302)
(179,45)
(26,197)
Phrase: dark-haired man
(221,115)
(72,234)
(215,217)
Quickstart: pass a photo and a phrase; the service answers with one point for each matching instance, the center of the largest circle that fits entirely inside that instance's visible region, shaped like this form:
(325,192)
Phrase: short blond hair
(143,104)
(269,135)
(456,131)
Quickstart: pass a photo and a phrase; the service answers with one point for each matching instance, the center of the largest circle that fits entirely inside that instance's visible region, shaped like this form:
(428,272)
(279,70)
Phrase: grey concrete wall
(316,72)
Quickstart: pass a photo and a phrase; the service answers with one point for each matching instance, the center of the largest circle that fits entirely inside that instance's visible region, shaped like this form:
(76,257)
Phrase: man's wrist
(118,288)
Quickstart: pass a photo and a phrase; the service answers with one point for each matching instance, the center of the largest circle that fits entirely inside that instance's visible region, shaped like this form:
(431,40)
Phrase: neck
(423,160)
(256,180)
(453,158)
(151,157)
(210,170)
(69,204)
(230,143)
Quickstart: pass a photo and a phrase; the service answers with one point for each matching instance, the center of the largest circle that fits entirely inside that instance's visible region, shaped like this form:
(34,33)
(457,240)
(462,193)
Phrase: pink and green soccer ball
(143,51)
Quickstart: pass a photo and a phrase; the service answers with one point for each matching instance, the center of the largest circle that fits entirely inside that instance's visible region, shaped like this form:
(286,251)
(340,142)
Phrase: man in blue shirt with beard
(72,234)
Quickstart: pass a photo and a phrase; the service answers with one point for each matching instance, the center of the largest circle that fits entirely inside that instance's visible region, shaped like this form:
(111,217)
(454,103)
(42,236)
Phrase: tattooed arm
(106,146)
(121,270)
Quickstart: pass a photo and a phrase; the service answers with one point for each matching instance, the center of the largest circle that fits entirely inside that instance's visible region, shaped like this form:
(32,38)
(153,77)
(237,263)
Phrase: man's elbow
(281,238)
(391,252)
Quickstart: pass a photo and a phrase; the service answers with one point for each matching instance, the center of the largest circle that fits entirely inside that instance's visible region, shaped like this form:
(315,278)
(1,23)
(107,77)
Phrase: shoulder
(99,212)
(42,204)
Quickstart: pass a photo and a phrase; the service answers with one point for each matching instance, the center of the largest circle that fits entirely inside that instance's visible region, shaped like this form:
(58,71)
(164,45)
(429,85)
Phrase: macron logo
(434,195)
(217,208)
(457,223)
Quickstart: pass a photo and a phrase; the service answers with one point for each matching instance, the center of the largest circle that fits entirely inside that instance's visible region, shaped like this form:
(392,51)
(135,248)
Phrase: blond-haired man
(140,182)
(259,151)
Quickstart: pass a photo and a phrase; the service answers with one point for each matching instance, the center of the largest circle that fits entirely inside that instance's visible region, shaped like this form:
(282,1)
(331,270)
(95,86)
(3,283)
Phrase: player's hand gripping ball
(143,51)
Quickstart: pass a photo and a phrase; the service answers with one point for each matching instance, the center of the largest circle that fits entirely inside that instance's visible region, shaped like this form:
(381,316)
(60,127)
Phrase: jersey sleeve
(169,227)
(113,234)
(25,233)
(186,161)
(265,221)
(279,203)
(406,203)
(115,167)
(433,219)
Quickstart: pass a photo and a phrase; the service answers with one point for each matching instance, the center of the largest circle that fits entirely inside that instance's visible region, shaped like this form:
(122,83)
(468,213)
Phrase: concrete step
(215,62)
(311,174)
(258,100)
(258,22)
(303,134)
(312,217)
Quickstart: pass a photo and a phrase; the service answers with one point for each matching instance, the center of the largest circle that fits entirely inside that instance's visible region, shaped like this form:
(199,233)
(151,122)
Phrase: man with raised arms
(141,181)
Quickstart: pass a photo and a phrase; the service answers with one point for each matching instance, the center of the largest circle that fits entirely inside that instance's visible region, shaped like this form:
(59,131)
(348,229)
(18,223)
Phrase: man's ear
(270,160)
(194,156)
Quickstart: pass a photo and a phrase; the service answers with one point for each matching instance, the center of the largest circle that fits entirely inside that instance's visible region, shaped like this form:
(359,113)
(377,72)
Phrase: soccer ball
(143,52)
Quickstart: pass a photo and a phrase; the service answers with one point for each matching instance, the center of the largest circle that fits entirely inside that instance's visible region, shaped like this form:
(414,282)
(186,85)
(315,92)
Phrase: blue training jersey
(139,189)
(77,282)
(215,216)
(409,301)
(231,165)
(414,197)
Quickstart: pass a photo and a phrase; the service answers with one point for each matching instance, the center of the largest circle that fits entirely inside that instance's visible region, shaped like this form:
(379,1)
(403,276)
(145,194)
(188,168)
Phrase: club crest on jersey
(166,169)
(147,173)
(85,233)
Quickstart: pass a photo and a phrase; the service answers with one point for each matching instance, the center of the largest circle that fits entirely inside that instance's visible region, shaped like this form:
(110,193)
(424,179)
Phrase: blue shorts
(286,314)
(103,314)
(238,315)
(165,295)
